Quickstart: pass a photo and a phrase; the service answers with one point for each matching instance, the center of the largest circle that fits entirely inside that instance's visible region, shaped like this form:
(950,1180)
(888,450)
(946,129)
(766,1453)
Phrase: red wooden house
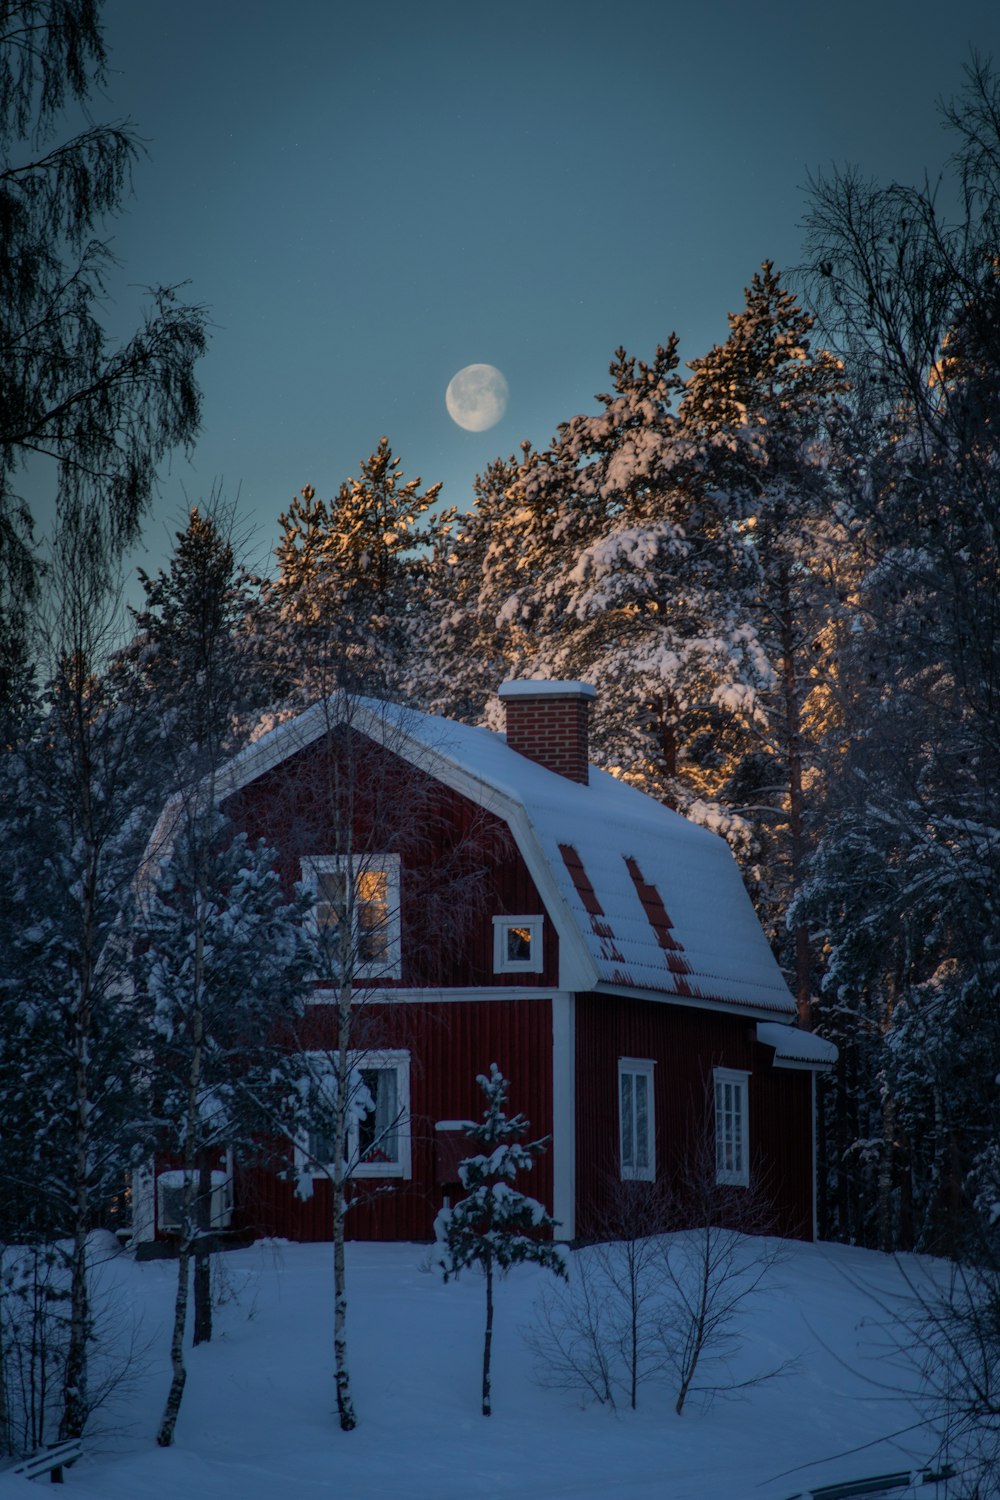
(513,904)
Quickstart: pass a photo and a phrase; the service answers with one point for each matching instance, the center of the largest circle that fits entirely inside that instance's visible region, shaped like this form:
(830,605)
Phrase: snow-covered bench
(51,1460)
(877,1484)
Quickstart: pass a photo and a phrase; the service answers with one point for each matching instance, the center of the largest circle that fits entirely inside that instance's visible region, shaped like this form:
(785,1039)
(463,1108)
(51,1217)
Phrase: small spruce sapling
(495,1226)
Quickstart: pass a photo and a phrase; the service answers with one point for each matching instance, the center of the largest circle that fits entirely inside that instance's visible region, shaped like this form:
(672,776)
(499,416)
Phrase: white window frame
(732,1120)
(632,1068)
(535,962)
(391,967)
(398,1059)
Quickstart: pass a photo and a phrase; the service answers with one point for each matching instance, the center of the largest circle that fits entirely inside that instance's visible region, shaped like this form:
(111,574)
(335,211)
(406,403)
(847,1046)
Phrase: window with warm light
(356,913)
(517,945)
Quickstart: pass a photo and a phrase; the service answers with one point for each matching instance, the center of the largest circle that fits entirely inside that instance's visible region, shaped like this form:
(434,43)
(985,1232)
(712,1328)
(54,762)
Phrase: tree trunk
(793,758)
(488,1340)
(886,1177)
(75,1397)
(165,1436)
(345,1405)
(202,1259)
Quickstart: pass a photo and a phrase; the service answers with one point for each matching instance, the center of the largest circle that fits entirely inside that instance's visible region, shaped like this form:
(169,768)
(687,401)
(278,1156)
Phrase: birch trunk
(165,1436)
(345,1405)
(202,1258)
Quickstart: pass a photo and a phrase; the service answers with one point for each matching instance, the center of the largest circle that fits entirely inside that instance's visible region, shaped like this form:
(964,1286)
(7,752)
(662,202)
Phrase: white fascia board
(749,1011)
(564,1114)
(409,995)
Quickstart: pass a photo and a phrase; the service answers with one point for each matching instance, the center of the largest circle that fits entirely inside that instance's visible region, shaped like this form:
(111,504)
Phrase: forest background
(778,565)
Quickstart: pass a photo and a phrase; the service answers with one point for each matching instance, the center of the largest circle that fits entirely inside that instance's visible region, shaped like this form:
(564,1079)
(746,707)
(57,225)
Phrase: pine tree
(352,588)
(603,558)
(495,1226)
(470,647)
(762,404)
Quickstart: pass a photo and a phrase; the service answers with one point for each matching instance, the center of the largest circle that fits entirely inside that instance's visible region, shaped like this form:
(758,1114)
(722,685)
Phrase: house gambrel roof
(645,903)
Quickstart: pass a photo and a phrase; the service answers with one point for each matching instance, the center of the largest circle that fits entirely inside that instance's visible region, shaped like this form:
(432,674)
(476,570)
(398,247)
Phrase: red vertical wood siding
(459,864)
(450,1043)
(686,1044)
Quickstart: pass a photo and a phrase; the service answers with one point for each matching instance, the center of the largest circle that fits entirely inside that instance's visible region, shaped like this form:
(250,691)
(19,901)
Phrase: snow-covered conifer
(762,407)
(221,965)
(198,652)
(351,594)
(495,1226)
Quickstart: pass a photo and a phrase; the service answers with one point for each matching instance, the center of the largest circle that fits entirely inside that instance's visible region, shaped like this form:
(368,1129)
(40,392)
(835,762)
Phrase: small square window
(732,1143)
(517,945)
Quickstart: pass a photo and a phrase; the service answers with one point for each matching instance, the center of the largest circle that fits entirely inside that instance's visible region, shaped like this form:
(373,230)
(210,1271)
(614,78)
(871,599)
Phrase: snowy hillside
(257,1421)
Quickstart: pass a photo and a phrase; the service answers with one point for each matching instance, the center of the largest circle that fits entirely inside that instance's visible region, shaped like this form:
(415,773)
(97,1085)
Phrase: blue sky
(370,196)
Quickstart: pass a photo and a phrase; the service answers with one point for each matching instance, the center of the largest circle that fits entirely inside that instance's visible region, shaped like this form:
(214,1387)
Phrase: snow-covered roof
(794,1048)
(643,900)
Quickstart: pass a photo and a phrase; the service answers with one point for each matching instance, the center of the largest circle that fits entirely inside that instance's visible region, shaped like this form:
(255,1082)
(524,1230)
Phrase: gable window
(356,912)
(517,945)
(732,1144)
(378,1140)
(637,1126)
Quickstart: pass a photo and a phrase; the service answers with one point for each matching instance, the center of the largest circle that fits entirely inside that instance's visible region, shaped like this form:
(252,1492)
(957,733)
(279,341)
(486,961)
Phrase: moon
(476,397)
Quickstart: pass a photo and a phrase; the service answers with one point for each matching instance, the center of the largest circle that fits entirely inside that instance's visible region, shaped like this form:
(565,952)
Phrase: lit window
(356,913)
(517,945)
(378,1143)
(732,1145)
(637,1128)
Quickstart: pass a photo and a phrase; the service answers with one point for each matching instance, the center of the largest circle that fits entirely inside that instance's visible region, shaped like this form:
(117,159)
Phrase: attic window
(356,914)
(517,945)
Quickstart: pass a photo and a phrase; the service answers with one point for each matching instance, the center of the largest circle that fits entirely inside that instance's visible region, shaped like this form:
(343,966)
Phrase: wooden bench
(877,1484)
(51,1460)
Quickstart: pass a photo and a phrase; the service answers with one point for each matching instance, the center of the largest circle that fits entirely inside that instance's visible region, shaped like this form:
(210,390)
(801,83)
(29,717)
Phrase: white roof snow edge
(794,1048)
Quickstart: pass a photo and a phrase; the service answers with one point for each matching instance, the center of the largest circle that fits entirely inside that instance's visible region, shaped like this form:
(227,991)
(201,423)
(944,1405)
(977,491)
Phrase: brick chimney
(547,722)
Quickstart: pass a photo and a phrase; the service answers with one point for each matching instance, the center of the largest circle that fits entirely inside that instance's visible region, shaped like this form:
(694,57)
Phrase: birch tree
(104,414)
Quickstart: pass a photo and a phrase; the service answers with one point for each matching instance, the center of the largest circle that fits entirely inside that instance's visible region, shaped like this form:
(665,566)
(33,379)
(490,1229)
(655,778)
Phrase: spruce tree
(198,652)
(78,798)
(495,1226)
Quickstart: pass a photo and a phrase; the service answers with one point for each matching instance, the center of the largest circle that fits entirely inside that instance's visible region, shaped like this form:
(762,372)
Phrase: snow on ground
(258,1419)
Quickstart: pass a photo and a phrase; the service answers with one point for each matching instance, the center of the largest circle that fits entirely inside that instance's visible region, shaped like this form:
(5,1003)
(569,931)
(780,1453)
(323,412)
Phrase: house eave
(748,1009)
